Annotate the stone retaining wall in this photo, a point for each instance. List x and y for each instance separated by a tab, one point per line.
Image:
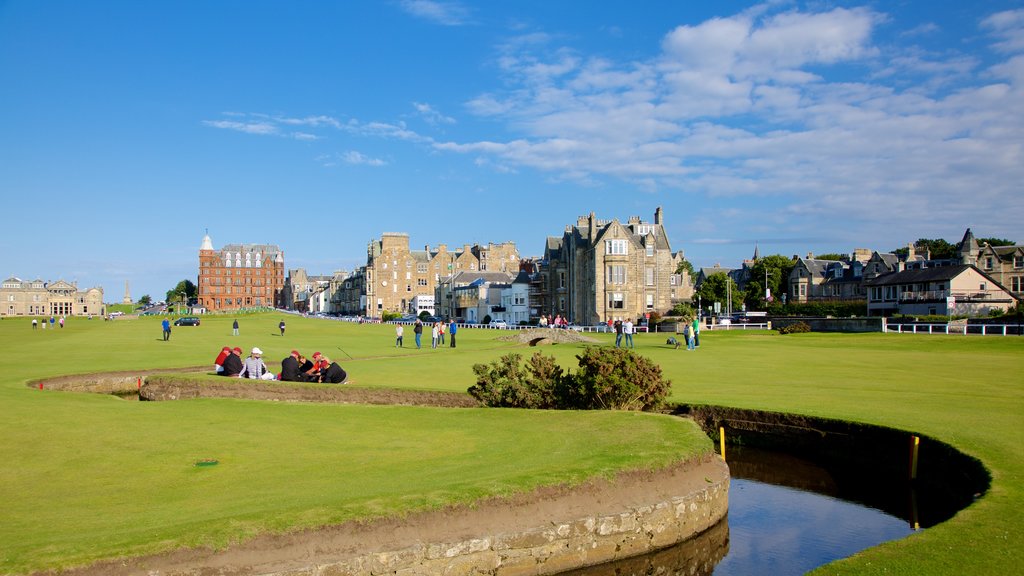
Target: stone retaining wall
561	545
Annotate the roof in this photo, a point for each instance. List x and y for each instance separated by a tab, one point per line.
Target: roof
921	275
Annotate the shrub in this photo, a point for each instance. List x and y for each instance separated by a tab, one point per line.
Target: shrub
795	328
608	378
389	316
616	379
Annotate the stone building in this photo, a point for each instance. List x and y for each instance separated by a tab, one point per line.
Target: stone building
39	298
603	270
395	274
239	276
1005	264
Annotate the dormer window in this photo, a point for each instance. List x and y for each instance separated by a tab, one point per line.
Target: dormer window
615	247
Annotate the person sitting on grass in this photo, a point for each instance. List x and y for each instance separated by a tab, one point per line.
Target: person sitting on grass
255	369
333	374
290	368
319	365
233	364
218	364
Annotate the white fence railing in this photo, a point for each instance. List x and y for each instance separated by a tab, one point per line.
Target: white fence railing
964	329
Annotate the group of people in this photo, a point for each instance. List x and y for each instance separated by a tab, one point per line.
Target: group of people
53	321
294	368
691	336
557	322
623	329
437	332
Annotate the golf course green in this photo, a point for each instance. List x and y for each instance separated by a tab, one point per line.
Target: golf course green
88	477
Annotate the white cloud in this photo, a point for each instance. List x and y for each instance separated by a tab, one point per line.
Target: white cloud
262	128
762	104
1008	26
430	115
444	13
353	157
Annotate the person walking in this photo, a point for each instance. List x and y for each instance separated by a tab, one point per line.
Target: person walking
696	332
52	322
399	330
234	327
627	331
35	324
618	333
166	325
61	321
433	335
280	326
417	330
688	332
452	328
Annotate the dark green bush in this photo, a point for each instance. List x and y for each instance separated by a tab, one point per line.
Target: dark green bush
608	378
795	328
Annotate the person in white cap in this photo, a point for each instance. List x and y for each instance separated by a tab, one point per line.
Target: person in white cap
255	368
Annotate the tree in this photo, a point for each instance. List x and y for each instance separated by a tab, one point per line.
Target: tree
996	242
716	288
832	256
777	268
936	249
145	300
183	292
685	266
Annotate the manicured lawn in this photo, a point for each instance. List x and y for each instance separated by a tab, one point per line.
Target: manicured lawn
86	476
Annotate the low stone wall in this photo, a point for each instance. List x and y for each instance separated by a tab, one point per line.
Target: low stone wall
561	545
862	324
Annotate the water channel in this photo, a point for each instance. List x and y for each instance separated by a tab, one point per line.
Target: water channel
786	516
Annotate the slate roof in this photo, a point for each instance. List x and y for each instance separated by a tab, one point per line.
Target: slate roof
923	275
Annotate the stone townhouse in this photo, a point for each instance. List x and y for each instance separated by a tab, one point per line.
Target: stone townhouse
39	298
471	295
1005	264
394	274
603	270
239	276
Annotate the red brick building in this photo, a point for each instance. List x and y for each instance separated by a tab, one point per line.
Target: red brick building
239	276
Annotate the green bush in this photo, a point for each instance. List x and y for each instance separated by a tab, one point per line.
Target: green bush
795	328
389	316
608	378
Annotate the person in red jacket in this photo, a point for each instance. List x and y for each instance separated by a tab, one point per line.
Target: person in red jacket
218	364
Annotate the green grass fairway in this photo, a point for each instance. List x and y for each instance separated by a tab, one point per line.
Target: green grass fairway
88	476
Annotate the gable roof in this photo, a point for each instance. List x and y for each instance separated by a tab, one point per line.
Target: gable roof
921	275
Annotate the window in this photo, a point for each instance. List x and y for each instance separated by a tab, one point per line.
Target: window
616	300
649	276
615	247
616	275
1015	283
561	279
421	282
650	301
983	286
988	263
650	249
803	289
421	268
1018	262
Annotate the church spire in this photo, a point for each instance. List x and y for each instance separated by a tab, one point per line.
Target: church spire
757	252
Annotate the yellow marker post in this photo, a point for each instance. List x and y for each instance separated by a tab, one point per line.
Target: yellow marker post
721	433
913	457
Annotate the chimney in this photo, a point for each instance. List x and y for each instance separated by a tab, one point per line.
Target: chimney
657	215
910	251
810	255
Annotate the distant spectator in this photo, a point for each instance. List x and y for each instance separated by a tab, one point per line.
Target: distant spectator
280	326
399	330
627	331
417	330
453	328
61	321
35	324
166	324
234	328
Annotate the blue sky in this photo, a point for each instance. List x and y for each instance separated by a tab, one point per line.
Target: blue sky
127	129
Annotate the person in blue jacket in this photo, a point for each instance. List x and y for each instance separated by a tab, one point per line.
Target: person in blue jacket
452	328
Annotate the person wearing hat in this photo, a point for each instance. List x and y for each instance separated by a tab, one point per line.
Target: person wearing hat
319	365
218	364
232	365
290	368
254	368
333	373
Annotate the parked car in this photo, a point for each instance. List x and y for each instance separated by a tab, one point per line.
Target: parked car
498	324
187	321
